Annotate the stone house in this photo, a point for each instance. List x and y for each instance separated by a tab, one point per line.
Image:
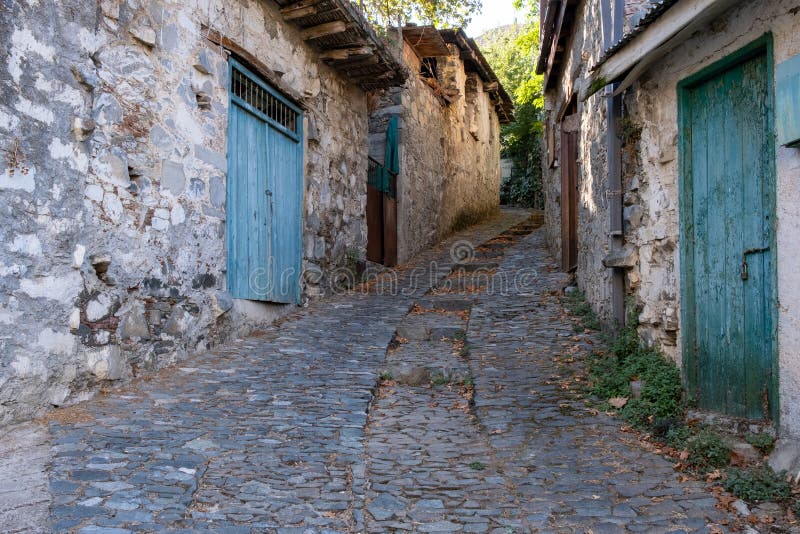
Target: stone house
447	121
140	221
671	171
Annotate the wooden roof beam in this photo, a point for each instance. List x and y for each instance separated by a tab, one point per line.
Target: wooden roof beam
324	30
345	54
301	9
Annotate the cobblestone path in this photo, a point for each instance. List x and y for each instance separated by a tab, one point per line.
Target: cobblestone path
448	404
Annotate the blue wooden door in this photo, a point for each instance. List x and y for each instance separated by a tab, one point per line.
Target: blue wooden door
727	238
265	191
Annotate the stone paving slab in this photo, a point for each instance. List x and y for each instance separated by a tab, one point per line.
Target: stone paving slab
292	431
24	496
264	435
573	469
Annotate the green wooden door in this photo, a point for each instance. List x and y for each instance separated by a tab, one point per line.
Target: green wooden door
727	237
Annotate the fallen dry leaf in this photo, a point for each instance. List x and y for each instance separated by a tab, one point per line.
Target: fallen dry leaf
618	402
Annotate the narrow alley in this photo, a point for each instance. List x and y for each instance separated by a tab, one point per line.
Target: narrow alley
439	402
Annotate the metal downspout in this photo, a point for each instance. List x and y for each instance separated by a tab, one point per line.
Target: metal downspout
613	15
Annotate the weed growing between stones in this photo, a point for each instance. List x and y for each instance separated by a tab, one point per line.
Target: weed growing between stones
758	484
646	390
707	450
577	305
477	466
386	376
441	379
764	442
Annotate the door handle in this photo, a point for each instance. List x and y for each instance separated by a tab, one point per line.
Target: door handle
745	272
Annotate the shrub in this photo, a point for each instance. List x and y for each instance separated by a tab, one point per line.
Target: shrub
606	380
661	396
763	441
678	436
708	450
757	484
577	305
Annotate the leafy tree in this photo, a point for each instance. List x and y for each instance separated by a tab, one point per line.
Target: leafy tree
441	13
512	51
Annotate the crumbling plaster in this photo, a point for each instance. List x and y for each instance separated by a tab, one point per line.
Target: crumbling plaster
651	181
653	108
113	116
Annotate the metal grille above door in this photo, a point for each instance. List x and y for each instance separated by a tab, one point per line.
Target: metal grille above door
256	96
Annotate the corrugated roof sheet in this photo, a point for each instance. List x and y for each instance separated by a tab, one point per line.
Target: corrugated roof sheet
658	8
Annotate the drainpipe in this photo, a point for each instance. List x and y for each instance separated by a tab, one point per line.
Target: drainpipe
613	15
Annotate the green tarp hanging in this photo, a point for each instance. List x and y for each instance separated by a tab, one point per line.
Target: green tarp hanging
381	177
392	161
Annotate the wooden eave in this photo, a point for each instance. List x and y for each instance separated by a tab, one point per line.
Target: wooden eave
650	41
346	40
474	61
557	30
426	41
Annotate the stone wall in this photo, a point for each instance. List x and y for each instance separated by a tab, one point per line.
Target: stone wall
649	133
593	204
113	116
449	153
653	110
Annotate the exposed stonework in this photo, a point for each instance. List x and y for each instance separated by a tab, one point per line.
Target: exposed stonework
113	116
653	109
449	150
593	216
650	171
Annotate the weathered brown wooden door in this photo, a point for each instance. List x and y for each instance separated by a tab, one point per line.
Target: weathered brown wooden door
569	192
381	216
374	224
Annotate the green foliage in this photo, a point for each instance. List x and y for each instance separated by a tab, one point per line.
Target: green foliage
708	450
598	84
444	379
512	52
661	393
757	484
795	506
441	13
678	436
578	306
477	466
763	441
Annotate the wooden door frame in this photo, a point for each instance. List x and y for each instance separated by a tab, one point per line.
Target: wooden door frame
298	136
762	46
569	191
